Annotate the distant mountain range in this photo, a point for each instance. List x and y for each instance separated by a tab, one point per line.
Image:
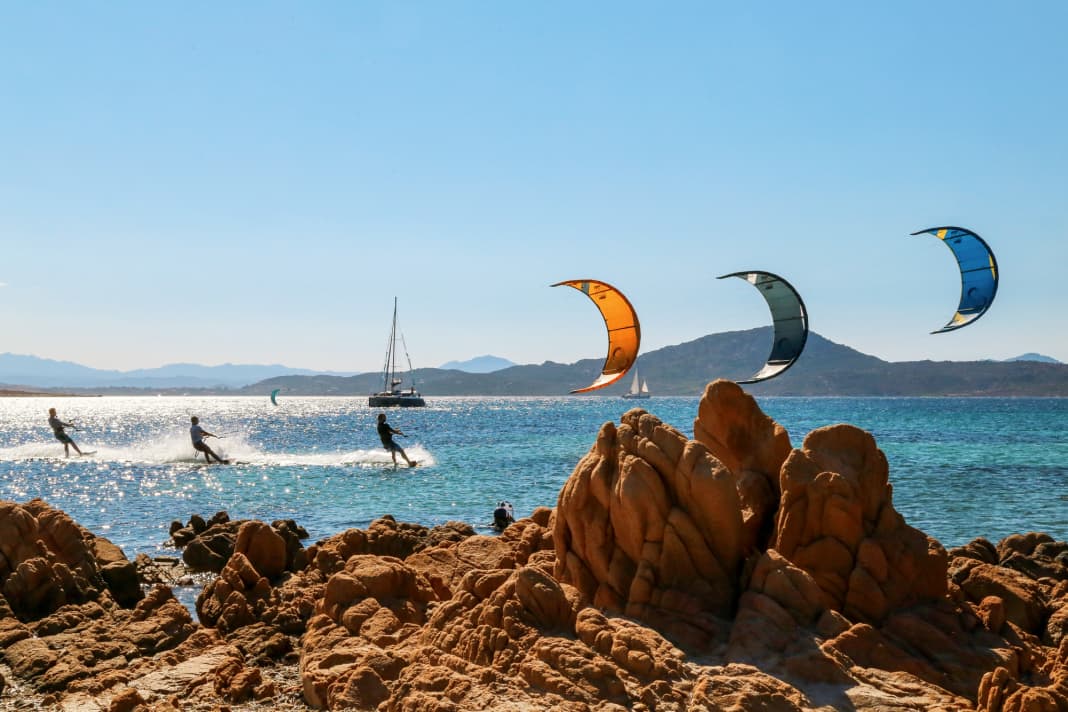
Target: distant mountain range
1034	357
479	364
35	372
825	369
48	373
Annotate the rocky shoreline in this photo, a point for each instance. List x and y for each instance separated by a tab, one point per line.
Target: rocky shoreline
730	571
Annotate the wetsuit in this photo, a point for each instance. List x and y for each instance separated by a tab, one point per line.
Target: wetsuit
57	430
385	434
197	435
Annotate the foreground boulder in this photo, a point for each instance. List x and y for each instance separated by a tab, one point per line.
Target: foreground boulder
77	632
753	447
48	561
64	620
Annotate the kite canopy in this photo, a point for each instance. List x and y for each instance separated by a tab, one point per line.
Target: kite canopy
978	273
273	394
624	332
789	318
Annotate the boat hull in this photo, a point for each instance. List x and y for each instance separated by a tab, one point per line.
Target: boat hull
390	400
635	395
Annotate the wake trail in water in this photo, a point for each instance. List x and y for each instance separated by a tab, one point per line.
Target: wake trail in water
177	449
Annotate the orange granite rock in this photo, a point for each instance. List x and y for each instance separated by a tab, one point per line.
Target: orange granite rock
47	561
752	446
649	525
263	547
837	522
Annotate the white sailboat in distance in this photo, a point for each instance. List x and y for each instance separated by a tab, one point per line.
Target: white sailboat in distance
635	391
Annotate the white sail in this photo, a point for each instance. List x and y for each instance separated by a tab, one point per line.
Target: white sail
636	391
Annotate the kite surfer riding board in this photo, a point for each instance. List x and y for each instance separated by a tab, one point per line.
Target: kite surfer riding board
386	433
198	434
57	426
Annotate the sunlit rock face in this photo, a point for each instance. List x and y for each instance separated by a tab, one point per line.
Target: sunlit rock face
650	525
656	526
47	560
752	446
836	521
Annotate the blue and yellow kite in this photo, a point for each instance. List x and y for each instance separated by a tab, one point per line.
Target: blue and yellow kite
978	273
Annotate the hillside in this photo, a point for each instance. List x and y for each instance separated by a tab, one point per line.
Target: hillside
825	369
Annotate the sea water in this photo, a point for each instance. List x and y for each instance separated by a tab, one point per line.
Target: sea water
960	467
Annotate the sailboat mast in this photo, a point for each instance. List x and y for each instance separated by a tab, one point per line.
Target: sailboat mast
391	358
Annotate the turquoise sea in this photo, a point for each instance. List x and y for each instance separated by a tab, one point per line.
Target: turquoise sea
960	467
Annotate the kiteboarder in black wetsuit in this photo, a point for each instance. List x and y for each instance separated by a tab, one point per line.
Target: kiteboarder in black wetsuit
198	434
386	433
57	426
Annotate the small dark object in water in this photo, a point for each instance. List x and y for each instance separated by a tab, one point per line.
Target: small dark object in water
503	515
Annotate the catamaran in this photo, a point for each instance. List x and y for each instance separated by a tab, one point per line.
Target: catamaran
636	392
391	393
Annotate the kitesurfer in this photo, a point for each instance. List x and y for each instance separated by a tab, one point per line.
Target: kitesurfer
386	433
57	430
503	516
198	434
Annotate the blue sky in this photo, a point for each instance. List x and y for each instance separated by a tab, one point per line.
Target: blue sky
255	182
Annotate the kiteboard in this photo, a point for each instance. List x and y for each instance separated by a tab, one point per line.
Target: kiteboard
87	452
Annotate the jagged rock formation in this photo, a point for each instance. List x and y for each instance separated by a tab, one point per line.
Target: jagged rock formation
649	525
48	561
72	612
753	447
731	571
836	522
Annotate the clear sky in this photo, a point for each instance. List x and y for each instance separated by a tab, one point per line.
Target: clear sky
254	182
